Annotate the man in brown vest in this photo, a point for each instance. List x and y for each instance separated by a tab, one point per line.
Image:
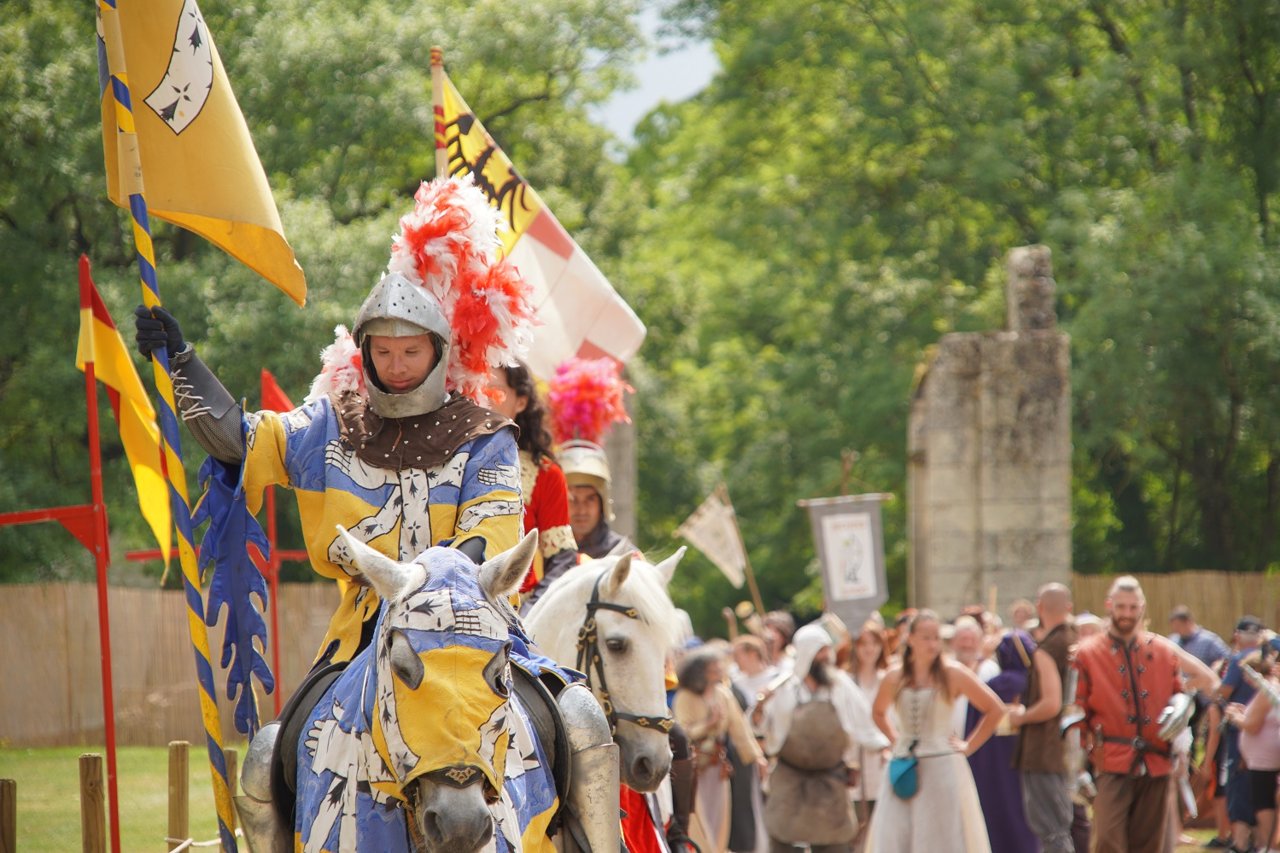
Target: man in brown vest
1041	752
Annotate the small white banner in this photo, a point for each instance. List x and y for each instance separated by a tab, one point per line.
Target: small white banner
713	530
850	545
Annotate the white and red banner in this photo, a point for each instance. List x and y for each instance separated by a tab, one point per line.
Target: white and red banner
579	312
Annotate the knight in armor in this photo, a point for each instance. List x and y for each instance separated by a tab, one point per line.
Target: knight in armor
391	445
815	724
586	469
388	443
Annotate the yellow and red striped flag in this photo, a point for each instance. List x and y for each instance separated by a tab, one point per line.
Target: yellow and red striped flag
100	343
202	171
579	312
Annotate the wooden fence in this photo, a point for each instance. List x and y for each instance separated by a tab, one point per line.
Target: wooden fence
1218	599
51	694
50	690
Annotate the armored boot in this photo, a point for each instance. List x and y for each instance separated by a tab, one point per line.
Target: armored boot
593	792
264	826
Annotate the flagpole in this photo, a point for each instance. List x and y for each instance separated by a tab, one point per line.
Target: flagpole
273	578
130	170
746	558
437	105
100	559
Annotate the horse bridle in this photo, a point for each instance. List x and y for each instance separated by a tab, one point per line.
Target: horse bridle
589	659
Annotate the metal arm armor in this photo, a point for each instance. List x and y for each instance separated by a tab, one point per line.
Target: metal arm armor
207	408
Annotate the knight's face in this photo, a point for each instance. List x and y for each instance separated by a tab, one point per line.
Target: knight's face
584	510
402	363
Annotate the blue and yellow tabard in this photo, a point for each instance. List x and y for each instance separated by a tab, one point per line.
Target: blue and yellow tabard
401	485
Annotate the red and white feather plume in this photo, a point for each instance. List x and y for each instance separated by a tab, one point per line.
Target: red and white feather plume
448	245
586	399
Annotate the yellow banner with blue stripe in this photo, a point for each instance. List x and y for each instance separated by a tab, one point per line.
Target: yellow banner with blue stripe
202	171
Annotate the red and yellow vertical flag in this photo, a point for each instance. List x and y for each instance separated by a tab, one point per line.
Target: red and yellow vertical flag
579	312
202	171
100	342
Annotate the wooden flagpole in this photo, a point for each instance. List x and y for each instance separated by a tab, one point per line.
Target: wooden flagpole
723	491
437	107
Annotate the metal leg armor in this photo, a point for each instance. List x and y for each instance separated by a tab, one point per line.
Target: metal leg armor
596	775
264	827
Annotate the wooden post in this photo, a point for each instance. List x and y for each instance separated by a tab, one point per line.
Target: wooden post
8	816
233	771
93	815
179	794
437	106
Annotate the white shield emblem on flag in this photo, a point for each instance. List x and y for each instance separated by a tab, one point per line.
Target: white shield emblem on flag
188	80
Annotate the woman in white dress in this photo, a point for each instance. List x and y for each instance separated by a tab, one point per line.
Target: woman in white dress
944	816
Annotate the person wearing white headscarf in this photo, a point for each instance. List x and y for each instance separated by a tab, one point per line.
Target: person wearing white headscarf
818	706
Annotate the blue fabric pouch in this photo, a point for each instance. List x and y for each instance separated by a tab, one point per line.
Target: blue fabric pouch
904	774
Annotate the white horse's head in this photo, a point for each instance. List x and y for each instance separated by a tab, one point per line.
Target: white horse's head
630	627
442	722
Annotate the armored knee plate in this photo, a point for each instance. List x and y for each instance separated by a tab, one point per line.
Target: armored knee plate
593	789
264	826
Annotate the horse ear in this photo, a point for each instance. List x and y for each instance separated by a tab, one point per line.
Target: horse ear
389	578
667	568
618	575
502	575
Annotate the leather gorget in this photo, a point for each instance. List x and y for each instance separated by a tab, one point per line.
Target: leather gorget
420	441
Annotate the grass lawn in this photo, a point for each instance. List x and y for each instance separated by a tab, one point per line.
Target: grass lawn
49	796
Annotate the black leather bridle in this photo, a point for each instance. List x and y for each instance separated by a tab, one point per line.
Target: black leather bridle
589	659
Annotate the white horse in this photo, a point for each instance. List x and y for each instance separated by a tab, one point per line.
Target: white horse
613	619
425	742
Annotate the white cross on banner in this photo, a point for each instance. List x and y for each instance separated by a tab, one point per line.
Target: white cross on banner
713	530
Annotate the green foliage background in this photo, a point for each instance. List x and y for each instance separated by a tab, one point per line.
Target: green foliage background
795	236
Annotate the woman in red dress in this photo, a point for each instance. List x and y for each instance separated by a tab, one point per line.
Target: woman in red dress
542	483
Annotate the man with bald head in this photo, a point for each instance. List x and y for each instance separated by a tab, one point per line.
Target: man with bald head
1041	751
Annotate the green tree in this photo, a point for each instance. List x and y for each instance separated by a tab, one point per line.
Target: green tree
338	99
845	192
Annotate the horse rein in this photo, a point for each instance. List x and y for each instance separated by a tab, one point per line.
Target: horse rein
589	658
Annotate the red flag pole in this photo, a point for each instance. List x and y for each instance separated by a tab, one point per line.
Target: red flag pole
100	558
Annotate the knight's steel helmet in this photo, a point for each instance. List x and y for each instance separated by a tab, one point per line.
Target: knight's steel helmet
397	308
585	464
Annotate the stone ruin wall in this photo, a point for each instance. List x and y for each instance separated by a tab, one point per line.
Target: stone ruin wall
989	455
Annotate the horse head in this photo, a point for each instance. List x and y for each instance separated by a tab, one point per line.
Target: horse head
613	619
441	720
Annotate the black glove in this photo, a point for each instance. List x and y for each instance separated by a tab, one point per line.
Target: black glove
157	328
474	548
